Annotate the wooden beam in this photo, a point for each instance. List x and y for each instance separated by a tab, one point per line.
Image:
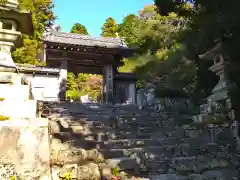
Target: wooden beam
78	62
85	69
81	56
55	52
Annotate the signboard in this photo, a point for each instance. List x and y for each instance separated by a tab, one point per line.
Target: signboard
44	88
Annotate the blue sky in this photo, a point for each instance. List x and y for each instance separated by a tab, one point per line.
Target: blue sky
93	13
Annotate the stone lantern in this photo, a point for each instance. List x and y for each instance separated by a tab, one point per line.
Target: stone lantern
220	102
13	22
220	68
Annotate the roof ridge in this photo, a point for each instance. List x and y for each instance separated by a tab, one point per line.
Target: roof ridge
87	37
85	40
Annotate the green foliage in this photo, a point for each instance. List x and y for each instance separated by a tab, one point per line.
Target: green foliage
2	2
71	81
79	29
128	66
129	30
210	22
116	171
42	17
28	53
109	28
68	176
13	178
84	84
148	12
161	56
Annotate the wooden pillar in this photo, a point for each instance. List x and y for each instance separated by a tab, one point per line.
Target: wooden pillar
108	84
63	80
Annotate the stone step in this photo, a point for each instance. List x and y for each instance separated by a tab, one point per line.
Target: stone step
134	143
14	92
97	124
170	176
75	141
221	174
194	164
122	118
18	108
164	151
181	165
121	135
131	131
102	135
108	133
93	117
197	164
108	123
78	140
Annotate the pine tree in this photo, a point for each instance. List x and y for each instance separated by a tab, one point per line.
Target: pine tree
79	29
109	28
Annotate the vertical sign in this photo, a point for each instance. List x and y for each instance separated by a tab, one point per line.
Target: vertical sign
109	83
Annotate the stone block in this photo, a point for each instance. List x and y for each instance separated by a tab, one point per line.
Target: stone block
18	109
9	77
70	156
89	171
123	163
24	144
16	92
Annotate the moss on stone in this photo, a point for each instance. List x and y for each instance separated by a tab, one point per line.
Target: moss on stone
4	118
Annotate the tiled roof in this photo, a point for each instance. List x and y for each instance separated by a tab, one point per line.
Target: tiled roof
83	40
32	68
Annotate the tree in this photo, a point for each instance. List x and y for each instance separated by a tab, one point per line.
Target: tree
160	58
148	12
42	17
109	28
79	29
129	30
209	22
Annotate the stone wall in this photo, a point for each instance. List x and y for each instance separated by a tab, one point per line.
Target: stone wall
24	145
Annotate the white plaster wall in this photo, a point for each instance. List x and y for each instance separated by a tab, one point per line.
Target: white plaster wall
44	87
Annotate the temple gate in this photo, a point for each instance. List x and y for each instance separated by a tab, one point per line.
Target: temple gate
86	54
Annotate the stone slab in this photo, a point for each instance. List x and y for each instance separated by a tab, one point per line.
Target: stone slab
18	109
16	92
24	145
9	77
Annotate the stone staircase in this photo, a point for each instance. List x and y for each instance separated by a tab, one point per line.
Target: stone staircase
157	146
